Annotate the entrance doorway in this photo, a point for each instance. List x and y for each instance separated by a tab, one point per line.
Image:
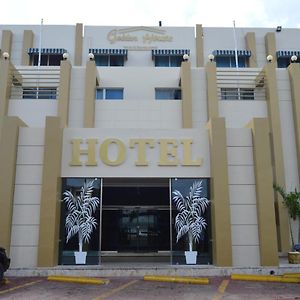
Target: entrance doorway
135	219
138	229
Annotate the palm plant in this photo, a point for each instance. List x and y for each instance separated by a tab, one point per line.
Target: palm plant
291	201
189	220
80	218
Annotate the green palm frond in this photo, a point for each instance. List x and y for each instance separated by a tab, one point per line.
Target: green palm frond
291	201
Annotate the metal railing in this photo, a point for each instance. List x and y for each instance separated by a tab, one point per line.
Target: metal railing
239	84
35	82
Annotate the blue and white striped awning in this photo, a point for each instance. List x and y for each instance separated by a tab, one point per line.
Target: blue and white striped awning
171	52
246	53
284	53
49	51
97	51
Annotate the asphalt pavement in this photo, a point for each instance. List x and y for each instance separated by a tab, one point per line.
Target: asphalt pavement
133	288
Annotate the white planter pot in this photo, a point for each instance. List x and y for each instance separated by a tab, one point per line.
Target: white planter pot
80	258
191	257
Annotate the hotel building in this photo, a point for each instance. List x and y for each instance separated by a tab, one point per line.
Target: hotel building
144	111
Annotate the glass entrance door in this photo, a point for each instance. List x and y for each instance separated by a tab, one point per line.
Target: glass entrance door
138	230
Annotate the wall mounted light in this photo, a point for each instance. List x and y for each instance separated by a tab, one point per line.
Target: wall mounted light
91	56
185	57
66	56
5	55
269	58
294	58
211	57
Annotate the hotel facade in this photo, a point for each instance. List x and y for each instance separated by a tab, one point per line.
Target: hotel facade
144	112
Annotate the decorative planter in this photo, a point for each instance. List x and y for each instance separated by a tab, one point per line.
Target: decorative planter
191	257
80	258
294	257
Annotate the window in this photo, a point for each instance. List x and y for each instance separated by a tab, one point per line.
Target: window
109	57
110	60
39	93
109	93
168	60
284	57
237	94
167	94
49	56
46	59
226	58
168	57
284	62
229	61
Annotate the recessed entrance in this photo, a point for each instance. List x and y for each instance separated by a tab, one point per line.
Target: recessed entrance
135	219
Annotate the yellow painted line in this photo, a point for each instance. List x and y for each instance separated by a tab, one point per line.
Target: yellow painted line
221	290
294	275
78	279
116	290
4	281
270	278
177	279
20	286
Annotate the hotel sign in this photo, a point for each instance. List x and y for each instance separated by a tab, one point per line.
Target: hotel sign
84	152
146	35
92	152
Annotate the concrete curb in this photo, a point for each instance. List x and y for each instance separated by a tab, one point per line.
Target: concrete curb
78	279
177	279
270	278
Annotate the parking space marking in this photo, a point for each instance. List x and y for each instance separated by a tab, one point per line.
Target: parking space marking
221	290
20	286
116	290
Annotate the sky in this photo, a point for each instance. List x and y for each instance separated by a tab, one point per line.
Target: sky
216	13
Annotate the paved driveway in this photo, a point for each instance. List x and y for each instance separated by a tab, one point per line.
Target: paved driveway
138	289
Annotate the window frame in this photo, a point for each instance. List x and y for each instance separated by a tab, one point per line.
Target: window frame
39	93
110	60
105	92
177	93
170	61
243	61
237	94
45	59
283	62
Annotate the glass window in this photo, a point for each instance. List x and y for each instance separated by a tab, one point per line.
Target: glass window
162	61
54	60
168	60
229	94
46	59
246	94
109	60
175	61
229	61
99	93
67	249
167	94
237	94
184	191
109	93
101	60
39	93
116	60
223	62
114	94
284	62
